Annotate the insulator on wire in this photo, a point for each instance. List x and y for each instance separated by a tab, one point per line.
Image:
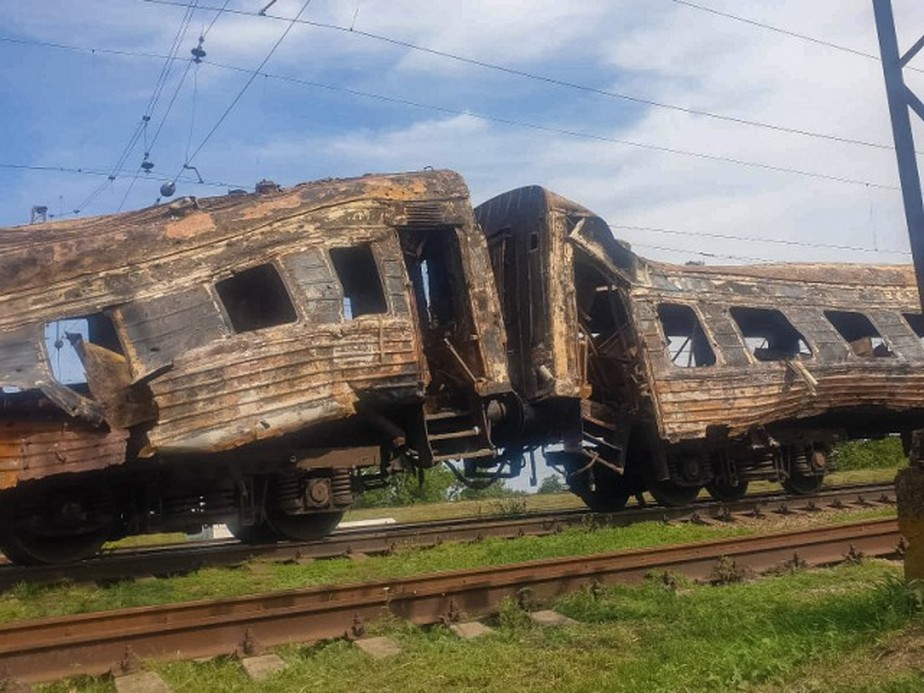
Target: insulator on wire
198	52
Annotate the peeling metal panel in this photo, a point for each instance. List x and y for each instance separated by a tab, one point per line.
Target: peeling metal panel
35	449
740	395
22	357
201	372
157	330
263	385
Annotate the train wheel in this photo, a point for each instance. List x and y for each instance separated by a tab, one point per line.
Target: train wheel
253	534
307	527
721	490
605	501
806	472
803	484
57	526
610	494
672	494
29	548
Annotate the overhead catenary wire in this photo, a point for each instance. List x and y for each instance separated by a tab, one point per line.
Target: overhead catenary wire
189	63
141	128
247	84
485	117
757	239
633	98
627	227
703	253
785	32
564	131
89	171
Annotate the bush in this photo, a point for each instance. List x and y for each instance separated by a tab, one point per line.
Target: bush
552	484
496	490
439	484
885	453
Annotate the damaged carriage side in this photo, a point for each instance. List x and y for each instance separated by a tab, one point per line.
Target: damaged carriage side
651	376
245	359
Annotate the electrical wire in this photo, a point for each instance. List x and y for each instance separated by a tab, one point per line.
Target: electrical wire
750	239
141	128
518	123
786	32
247	84
702	253
627	227
563	131
86	171
549	80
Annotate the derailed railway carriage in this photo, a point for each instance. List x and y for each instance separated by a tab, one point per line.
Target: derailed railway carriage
254	359
258	359
649	376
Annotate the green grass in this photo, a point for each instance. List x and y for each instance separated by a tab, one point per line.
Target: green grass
885	453
845	628
566	501
37	601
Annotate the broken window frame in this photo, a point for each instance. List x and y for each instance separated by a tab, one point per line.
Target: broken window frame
97	328
754	340
285	314
915	322
855	327
696	346
377	304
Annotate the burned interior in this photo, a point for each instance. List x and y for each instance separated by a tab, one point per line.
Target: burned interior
253	359
640	375
259	359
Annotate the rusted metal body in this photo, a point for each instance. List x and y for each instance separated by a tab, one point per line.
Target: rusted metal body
294	332
92	643
665	377
750	386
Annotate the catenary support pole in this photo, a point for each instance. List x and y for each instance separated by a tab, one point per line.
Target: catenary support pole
909	484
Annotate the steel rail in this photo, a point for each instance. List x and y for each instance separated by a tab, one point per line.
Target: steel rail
185	558
54	648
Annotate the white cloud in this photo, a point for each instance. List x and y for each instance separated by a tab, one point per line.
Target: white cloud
662	51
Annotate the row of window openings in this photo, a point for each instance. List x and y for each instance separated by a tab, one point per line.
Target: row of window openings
257	298
769	335
253	299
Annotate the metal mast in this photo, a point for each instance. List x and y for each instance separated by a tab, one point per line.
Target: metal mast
901	102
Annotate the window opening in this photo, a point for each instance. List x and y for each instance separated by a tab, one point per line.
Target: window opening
769	335
359	277
62	335
437	287
687	345
534	241
256	298
916	322
864	339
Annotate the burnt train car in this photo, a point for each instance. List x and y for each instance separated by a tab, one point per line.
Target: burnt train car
651	376
252	358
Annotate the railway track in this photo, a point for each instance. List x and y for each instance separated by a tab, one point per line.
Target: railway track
50	649
184	558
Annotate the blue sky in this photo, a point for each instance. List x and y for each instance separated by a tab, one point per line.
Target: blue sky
77	109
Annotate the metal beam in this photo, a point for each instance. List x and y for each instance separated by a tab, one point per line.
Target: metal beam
901	102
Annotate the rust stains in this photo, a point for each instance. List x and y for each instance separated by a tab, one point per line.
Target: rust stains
215	324
36	449
189	226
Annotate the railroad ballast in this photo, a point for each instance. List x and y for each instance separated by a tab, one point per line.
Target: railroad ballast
258	359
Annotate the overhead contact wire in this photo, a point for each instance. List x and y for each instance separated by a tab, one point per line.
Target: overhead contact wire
550	80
